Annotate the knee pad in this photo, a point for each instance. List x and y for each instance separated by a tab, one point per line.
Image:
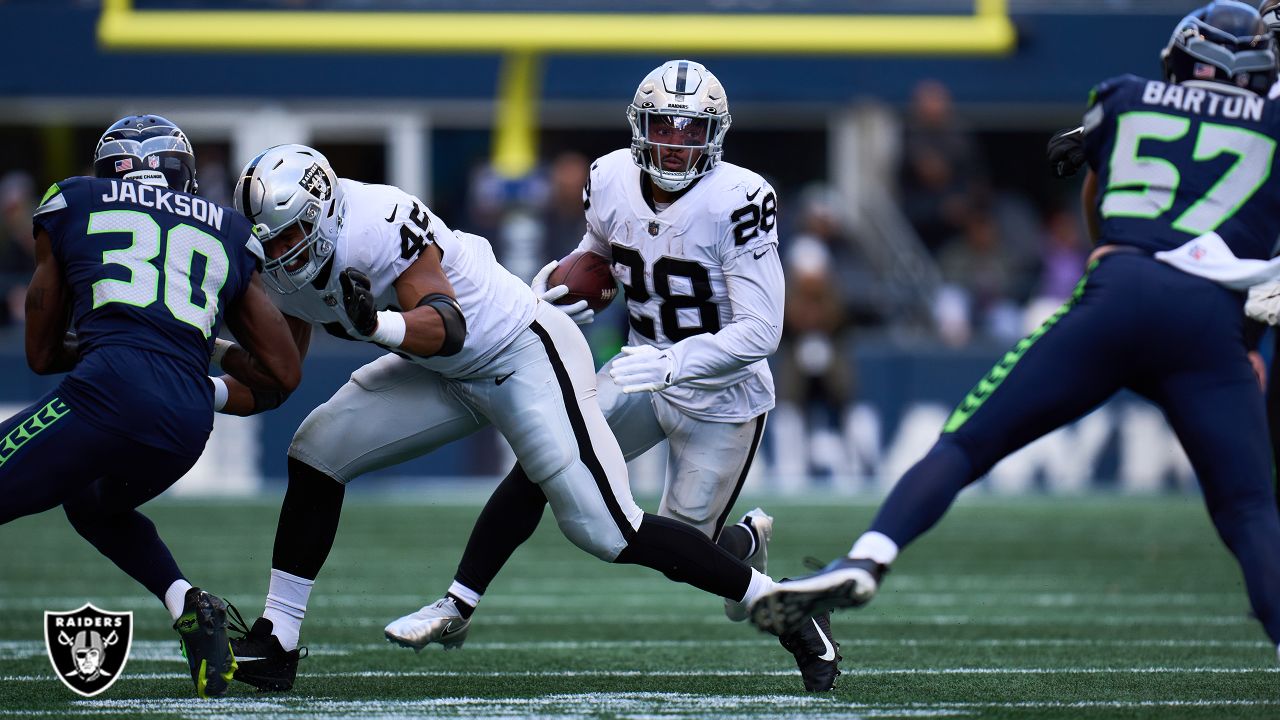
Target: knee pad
580	534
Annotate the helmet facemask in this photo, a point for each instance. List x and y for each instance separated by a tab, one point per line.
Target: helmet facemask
302	262
674	147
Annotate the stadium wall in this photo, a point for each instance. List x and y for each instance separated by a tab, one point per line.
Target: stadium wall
906	395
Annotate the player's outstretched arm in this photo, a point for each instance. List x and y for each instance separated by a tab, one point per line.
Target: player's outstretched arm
50	349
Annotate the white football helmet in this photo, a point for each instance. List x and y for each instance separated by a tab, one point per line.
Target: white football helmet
678	117
287	185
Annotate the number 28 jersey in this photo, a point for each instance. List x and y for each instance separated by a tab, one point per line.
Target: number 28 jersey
1175	161
701	277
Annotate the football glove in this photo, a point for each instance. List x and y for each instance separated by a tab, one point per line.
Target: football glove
643	368
1263	304
1065	152
357	299
578	312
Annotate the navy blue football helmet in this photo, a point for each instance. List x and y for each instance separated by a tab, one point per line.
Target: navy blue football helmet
147	149
1226	42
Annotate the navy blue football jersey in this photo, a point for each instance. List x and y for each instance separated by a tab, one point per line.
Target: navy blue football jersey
151	271
1175	161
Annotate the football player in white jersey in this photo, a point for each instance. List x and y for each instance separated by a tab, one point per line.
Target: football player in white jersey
693	241
471	345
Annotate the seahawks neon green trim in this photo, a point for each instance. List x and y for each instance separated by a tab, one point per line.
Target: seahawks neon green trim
988	384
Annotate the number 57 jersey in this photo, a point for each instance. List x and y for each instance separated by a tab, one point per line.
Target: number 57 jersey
708	262
1176	161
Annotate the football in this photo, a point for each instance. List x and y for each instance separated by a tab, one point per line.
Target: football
588	277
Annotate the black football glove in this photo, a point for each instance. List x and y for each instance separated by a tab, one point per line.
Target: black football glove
1065	152
357	299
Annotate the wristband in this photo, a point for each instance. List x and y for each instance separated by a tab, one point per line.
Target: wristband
220	393
390	330
220	348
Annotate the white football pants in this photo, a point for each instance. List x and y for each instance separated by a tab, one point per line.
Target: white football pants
707	462
539	392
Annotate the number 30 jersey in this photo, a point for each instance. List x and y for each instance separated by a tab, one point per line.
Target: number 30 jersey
151	272
1176	161
702	277
383	231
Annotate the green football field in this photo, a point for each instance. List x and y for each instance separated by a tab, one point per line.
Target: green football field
1076	608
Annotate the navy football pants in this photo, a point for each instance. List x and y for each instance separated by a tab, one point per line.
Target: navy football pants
1133	323
50	457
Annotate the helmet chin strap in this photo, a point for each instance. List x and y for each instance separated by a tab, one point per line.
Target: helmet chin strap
670	185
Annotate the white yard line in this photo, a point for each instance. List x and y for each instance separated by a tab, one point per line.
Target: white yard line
626	704
1157	670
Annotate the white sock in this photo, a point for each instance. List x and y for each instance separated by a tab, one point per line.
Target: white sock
287	598
465	594
759	585
176	596
875	546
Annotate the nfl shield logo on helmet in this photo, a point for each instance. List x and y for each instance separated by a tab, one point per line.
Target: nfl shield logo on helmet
88	647
124	165
153	162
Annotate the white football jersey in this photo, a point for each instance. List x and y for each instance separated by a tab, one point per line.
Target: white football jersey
383	230
702	277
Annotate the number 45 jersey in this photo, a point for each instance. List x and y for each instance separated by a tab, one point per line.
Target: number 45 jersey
1175	161
151	271
382	232
706	263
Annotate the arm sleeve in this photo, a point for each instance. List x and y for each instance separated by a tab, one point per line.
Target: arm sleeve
756	287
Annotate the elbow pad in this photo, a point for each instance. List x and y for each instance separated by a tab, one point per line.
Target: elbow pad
264	400
455	325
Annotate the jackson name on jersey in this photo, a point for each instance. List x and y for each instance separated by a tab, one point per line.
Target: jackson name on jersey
383	230
671	265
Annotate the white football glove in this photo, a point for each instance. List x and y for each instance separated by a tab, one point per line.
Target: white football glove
643	368
578	312
1263	304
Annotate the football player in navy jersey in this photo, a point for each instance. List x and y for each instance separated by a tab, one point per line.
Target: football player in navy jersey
1183	200
143	271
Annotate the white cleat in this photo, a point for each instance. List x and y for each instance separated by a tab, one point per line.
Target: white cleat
440	622
763	525
844	583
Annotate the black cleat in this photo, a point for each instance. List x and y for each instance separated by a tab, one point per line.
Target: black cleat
842	583
203	630
817	653
262	661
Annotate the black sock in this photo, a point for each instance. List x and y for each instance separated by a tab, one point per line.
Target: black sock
308	521
739	541
507	520
464	609
684	554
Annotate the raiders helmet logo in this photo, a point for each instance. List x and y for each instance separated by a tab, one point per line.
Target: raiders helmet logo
88	647
316	182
